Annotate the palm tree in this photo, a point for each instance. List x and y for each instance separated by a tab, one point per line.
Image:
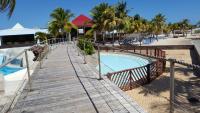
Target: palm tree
167	29
174	27
128	24
41	36
7	5
110	20
158	21
141	27
59	19
138	25
53	29
121	12
98	17
191	27
184	26
68	27
137	17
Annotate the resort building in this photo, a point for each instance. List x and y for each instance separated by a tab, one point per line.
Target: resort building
18	36
83	23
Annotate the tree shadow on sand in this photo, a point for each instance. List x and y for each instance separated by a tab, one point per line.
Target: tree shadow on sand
184	89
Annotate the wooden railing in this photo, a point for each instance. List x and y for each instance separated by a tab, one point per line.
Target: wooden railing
134	77
144	50
131	78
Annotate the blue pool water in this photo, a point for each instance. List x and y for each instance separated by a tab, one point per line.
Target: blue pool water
117	62
8	70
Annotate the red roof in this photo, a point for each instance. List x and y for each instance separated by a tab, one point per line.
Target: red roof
81	21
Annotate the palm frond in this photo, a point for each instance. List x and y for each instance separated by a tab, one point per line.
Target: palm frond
7	5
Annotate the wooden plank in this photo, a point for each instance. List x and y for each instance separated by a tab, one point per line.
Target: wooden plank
58	88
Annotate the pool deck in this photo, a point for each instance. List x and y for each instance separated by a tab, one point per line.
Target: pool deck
66	85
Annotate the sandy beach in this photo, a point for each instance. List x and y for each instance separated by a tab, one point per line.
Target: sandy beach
173	41
186	84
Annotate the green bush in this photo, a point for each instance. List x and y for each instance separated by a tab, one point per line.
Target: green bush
89	48
197	31
81	43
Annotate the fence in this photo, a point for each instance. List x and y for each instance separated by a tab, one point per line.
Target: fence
16	71
131	78
147	95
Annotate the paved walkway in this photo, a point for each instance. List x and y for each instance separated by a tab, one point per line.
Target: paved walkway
66	85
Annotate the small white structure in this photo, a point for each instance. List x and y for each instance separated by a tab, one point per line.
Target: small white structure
18	36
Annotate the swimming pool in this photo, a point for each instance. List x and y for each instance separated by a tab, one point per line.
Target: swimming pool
111	62
8	70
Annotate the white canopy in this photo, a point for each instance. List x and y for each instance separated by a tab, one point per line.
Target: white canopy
18	29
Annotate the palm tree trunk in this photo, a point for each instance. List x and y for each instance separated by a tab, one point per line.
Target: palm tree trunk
183	33
113	38
103	37
186	34
157	37
95	36
77	33
69	35
66	36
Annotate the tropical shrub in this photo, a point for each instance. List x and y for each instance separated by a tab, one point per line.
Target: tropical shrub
89	48
197	31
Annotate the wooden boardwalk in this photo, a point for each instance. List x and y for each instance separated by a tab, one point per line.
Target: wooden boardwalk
66	85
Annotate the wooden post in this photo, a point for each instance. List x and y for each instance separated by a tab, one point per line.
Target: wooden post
113	48
172	86
40	60
150	52
147	52
107	49
46	53
130	80
164	62
99	62
148	73
28	70
84	53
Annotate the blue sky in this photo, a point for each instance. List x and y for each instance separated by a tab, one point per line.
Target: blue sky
35	13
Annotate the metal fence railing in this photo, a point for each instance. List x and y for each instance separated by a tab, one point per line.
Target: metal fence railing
16	71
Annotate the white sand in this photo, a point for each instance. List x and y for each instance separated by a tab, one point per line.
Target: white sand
186	84
173	41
